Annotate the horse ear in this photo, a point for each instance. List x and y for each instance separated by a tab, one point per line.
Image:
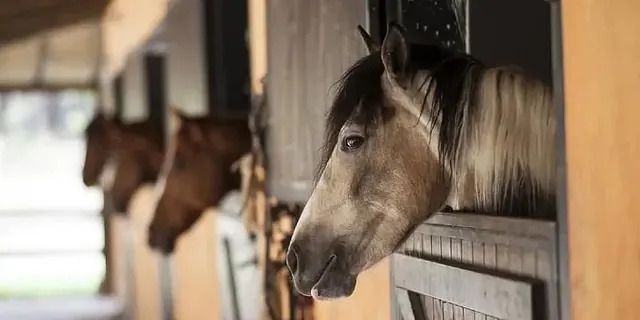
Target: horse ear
395	52
372	46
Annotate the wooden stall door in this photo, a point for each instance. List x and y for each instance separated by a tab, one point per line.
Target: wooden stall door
458	267
195	271
145	261
602	107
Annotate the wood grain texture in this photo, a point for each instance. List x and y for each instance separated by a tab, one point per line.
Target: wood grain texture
146	281
311	43
195	269
602	108
489	245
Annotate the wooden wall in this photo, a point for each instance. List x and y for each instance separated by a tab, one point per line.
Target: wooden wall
145	271
311	43
196	291
602	108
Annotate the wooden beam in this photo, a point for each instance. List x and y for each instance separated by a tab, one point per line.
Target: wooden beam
503	297
11	8
20	26
602	108
53	87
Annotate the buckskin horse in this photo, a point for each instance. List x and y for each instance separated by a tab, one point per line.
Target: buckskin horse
136	150
412	130
197	173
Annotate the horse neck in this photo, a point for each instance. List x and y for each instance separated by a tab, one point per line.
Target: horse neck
506	156
506	146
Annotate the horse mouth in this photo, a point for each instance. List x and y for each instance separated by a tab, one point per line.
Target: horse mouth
332	283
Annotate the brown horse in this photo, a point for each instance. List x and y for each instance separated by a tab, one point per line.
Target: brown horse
197	173
98	148
413	129
138	150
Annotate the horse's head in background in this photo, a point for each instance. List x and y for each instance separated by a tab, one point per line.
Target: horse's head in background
410	131
98	148
138	151
197	175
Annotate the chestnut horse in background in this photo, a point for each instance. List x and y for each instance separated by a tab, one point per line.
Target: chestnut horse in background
98	148
197	173
137	151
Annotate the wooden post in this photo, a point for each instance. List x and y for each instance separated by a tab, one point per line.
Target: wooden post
150	296
602	108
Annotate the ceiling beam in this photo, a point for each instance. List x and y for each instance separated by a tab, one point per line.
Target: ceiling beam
20	26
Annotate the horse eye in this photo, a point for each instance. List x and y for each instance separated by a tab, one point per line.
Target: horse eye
353	142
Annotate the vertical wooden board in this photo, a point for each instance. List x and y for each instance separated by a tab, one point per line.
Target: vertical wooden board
448	311
311	45
146	277
515	259
467	251
601	107
445	244
135	100
438	309
186	58
502	257
257	43
458	313
478	253
456	249
427	244
195	270
436	247
118	255
490	255
469	314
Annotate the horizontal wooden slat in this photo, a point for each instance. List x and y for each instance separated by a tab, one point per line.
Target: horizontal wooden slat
499	297
481	236
513	226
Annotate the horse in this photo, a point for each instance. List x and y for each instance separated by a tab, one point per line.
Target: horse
139	151
413	130
98	148
197	173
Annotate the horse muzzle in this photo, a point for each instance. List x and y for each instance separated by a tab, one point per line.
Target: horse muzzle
322	276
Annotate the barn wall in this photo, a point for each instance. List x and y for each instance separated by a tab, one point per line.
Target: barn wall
195	268
147	297
602	78
311	43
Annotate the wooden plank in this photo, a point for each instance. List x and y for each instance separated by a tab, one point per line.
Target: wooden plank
602	139
310	46
404	304
486	235
498	296
513	226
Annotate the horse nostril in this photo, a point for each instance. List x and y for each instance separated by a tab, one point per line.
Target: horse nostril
292	260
